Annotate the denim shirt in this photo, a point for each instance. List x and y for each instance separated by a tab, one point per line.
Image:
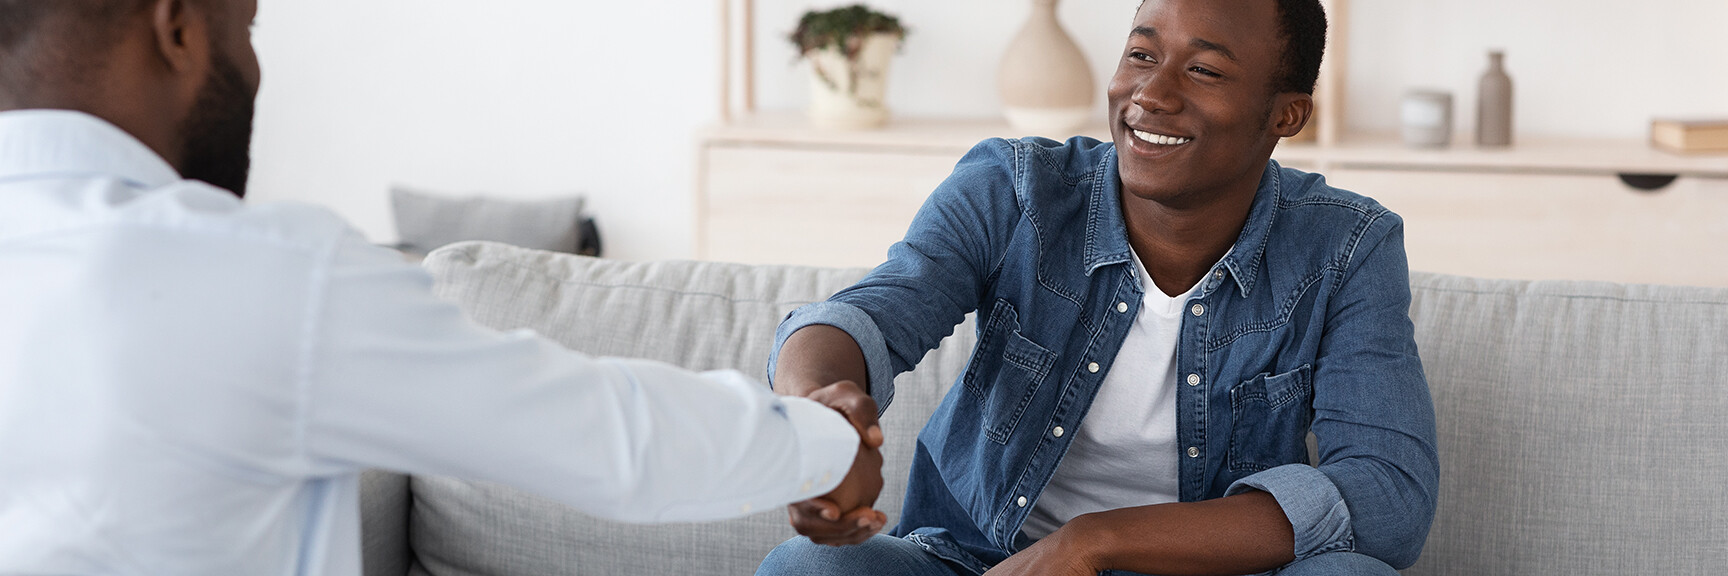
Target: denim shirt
1302	327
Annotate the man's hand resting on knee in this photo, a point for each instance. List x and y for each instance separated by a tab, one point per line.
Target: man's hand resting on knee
845	516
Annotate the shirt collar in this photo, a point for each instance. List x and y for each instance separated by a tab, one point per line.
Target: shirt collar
57	143
1107	233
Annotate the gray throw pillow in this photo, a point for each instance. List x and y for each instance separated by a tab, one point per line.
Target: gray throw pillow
426	221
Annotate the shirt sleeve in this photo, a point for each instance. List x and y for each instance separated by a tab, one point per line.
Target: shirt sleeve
932	279
1376	486
397	379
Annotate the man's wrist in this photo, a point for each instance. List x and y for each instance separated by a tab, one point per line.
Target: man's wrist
1087	539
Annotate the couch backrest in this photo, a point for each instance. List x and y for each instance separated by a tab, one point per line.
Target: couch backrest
1582	426
698	315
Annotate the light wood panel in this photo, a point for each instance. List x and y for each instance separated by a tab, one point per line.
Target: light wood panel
1555	226
812	207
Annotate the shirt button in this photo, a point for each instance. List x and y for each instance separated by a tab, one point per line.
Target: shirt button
1121	306
1193	452
1058	432
1021	501
744	509
806	487
1219	274
1093	367
1193	379
1198	309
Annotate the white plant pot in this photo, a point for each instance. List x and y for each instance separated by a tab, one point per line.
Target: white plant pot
851	95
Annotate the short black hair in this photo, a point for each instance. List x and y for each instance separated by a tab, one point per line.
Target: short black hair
19	19
1302	25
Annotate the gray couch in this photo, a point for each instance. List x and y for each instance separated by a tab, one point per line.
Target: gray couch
1583	426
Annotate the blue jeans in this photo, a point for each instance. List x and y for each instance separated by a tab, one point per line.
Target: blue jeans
885	555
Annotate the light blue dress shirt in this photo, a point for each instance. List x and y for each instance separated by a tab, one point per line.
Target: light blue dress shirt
191	386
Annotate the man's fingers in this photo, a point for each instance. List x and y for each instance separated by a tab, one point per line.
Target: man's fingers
850	400
853	527
818	508
857	526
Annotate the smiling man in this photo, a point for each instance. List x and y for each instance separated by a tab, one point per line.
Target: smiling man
1162	321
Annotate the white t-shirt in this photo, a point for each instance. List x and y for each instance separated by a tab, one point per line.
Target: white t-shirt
191	385
1125	451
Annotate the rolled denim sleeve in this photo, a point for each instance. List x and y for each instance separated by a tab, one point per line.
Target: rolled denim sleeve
1317	512
854	322
932	278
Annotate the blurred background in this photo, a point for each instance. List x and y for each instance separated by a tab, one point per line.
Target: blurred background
535	98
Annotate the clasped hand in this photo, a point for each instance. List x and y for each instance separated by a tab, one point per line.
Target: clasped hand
845	516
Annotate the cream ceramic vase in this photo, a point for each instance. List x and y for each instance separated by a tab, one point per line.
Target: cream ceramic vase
851	94
1046	84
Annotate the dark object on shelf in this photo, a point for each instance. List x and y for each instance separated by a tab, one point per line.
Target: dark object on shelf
1494	104
1648	182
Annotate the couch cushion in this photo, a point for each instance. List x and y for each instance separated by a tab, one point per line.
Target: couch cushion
426	221
1582	426
697	315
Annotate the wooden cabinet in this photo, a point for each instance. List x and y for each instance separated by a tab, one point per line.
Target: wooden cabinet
778	205
1555	227
772	190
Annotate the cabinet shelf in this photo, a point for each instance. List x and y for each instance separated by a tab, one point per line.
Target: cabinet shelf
1531	155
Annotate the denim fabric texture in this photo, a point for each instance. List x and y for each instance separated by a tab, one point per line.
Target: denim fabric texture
883	554
1303	327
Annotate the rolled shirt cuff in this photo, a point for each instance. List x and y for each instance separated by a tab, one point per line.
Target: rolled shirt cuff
827	443
1316	510
854	322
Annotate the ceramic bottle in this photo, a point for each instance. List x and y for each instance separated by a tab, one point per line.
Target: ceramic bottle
1494	104
1045	83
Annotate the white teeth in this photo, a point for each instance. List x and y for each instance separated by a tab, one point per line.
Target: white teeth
1161	139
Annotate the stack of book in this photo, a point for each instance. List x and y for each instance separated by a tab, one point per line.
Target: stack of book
1699	135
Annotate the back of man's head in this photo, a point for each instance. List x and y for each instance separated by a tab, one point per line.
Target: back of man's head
57	40
179	75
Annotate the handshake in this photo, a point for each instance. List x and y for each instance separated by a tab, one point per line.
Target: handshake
845	516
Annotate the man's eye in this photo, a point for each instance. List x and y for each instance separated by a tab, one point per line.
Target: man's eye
1205	72
1142	56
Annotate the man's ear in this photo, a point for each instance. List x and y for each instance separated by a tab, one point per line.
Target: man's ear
182	35
1290	113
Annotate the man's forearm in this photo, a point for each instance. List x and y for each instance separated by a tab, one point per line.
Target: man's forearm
816	356
1243	534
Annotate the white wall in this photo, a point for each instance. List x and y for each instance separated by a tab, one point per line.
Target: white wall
517	98
537	97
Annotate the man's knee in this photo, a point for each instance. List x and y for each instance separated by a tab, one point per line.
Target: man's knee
1338	563
879	555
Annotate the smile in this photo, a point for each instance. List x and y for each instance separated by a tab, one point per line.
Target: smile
1161	139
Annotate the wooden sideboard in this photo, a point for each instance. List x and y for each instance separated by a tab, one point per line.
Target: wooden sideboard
772	190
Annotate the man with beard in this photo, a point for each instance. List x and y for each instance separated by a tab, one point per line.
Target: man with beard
1162	320
190	385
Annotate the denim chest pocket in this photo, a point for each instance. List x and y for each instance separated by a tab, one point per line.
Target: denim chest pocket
1005	372
1270	417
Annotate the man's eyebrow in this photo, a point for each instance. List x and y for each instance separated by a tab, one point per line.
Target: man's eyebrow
1215	47
1150	33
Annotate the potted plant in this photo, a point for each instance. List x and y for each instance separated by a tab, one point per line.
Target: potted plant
849	50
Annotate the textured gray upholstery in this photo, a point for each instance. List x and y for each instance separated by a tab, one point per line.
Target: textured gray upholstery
1582	426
